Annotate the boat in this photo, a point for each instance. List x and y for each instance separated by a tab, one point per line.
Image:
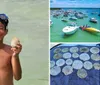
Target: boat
85	15
51	23
89	29
64	20
79	16
68	30
73	18
93	20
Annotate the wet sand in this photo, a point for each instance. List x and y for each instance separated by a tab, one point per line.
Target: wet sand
29	22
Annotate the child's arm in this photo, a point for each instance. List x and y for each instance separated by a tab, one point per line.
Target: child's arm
16	67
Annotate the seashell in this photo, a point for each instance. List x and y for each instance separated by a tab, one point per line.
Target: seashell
14	42
66	55
74	49
88	65
52	64
69	61
84	56
67	70
84	49
77	64
55	70
82	73
94	50
60	62
75	55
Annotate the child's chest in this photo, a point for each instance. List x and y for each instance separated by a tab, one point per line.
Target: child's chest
5	59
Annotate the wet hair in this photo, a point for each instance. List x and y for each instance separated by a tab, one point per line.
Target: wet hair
4	20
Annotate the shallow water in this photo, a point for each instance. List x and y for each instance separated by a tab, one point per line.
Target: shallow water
56	34
29	22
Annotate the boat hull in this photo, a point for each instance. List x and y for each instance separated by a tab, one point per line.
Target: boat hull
68	30
92	29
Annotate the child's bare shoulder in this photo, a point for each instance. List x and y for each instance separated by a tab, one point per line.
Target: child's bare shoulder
7	48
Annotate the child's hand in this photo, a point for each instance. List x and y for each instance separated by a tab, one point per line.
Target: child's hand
16	50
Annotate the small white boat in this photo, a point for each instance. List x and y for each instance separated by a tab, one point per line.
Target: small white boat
70	29
51	23
64	20
93	20
73	18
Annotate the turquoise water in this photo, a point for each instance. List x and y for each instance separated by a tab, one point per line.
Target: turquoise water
56	34
29	22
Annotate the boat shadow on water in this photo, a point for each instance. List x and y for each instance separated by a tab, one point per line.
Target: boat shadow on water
93	33
66	36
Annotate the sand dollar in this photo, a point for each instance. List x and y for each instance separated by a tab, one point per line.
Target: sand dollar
84	56
94	50
95	57
67	55
14	42
84	49
77	64
65	50
60	62
52	64
82	73
57	50
88	65
67	70
75	55
55	70
57	56
96	66
74	49
69	61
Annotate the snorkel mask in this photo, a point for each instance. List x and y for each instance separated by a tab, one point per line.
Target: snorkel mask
4	20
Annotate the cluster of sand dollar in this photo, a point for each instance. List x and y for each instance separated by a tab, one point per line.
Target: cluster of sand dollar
65	60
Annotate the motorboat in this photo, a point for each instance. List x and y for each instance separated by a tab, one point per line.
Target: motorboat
89	29
85	15
64	20
51	23
73	18
93	20
79	16
68	30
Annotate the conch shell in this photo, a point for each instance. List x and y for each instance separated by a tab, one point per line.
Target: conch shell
14	42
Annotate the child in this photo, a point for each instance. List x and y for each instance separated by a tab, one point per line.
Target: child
9	56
